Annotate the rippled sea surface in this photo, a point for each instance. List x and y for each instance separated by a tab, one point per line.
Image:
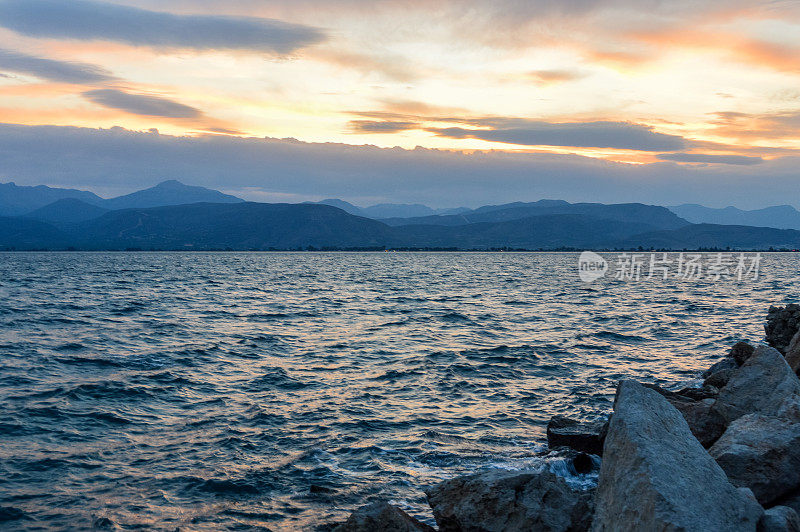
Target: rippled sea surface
208	391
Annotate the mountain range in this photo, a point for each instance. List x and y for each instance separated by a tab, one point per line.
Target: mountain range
21	200
173	216
780	216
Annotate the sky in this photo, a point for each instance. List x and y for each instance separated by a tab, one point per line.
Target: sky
447	103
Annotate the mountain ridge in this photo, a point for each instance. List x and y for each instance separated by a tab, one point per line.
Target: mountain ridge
30	200
284	226
777	216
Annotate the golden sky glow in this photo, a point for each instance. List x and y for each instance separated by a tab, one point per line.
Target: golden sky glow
697	82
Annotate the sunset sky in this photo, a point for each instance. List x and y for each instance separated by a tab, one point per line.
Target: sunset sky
585	99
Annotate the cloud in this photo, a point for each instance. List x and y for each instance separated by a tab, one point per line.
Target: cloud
373	126
52	70
552	77
389	66
89	20
525	132
601	134
709	158
752	126
119	161
140	104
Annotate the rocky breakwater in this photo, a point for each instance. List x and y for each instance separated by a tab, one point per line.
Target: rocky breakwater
721	456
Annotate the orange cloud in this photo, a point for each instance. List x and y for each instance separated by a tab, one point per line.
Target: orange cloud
553	77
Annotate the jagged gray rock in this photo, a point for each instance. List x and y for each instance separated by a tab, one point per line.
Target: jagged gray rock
704	421
656	476
793	353
740	352
383	517
782	324
779	519
706	424
502	500
724	364
584	437
761	453
720	378
761	385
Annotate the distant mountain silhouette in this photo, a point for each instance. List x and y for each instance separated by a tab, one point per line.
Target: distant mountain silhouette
16	200
172	215
535	232
402	210
168	193
341	204
391	210
651	216
780	217
70	206
67	210
240	226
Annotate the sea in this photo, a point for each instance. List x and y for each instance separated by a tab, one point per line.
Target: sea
280	391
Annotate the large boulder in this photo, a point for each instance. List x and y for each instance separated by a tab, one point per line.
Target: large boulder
761	453
381	516
793	353
779	519
656	476
782	324
500	500
761	386
584	437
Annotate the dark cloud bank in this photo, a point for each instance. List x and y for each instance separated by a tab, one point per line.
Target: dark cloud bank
88	20
621	135
120	160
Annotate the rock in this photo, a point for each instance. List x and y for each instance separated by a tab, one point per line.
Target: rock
706	424
704	421
779	519
740	352
761	453
792	501
761	385
502	500
720	378
381	516
583	437
782	324
725	363
790	410
698	394
793	353
656	476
